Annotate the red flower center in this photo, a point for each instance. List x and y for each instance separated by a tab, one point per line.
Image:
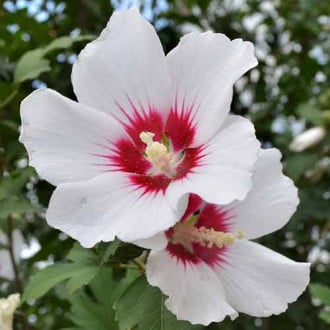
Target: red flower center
155	152
202	235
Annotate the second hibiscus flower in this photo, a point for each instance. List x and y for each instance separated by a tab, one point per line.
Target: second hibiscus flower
206	264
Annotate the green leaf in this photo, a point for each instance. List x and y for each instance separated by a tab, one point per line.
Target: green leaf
83	268
66	42
296	165
31	65
47	278
110	250
310	112
325	316
88	264
320	292
84	256
96	311
83	275
142	306
13	184
13	204
126	252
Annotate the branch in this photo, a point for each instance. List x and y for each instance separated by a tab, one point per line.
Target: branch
9	98
12	255
18	280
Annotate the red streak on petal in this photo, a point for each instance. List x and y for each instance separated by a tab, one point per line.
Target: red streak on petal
128	159
179	252
180	128
141	121
211	216
192	159
194	204
211	256
150	184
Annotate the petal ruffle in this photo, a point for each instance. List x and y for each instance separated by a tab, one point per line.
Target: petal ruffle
226	164
124	68
259	281
194	292
271	201
107	206
204	68
65	139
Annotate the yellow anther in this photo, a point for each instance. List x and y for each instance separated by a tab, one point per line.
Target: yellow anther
209	237
187	234
157	153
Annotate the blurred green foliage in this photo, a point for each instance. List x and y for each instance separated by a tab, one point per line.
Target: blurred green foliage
287	93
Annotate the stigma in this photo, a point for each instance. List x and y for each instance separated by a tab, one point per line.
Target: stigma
158	154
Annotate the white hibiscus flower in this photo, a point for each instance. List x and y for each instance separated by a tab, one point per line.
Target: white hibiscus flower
148	130
209	269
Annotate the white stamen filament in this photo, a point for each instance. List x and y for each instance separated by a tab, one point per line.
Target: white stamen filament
157	153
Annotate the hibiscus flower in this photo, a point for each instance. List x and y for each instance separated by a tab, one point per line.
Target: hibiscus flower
209	268
148	130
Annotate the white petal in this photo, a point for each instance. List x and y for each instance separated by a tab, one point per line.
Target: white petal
63	137
271	201
204	68
107	206
261	282
226	170
156	242
195	292
126	63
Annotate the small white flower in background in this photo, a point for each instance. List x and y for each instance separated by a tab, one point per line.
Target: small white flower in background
148	130
7	309
209	268
308	139
6	267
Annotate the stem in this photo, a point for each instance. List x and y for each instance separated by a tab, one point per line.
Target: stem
140	265
9	98
12	255
18	280
124	266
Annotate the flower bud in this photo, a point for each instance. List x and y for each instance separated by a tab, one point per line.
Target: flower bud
7	309
307	139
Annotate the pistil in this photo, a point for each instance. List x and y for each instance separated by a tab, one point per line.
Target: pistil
158	154
187	234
